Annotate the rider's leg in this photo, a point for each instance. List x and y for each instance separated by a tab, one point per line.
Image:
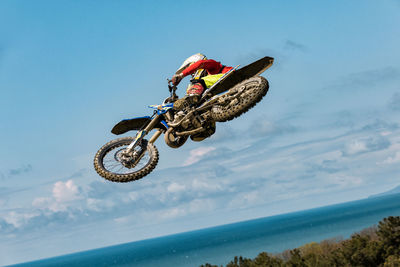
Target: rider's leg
195	90
192	97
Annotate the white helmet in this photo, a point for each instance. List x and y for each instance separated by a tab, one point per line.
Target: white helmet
189	61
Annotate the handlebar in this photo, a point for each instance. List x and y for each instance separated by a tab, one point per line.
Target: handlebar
171	86
172	89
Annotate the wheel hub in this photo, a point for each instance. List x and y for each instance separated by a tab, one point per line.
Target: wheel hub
129	160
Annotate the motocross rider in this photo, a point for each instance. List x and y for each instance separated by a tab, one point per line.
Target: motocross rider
205	72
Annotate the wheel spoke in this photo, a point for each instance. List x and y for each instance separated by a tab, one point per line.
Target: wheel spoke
121	168
114	164
117	167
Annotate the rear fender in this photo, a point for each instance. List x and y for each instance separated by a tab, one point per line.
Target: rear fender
248	71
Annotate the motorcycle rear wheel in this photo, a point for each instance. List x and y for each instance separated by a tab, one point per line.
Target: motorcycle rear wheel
246	95
108	165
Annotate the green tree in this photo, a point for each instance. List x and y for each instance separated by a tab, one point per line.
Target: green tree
374	246
296	260
360	251
233	263
208	265
240	262
389	232
263	259
392	261
314	255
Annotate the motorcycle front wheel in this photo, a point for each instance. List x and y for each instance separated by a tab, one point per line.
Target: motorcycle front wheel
109	164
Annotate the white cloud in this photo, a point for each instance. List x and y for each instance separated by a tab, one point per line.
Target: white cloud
205	185
171	213
47	203
386	133
279	172
344	181
41	202
363	145
133	196
176	187
99	204
394	159
64	192
356	147
122	220
63	196
246	200
201	205
197	154
251	197
18	219
262	127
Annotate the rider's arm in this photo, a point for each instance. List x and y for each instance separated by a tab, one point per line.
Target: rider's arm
210	65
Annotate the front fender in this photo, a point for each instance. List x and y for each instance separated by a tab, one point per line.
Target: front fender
134	124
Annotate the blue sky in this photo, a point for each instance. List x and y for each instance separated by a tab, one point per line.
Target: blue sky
327	132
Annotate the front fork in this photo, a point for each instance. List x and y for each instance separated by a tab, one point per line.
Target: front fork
141	134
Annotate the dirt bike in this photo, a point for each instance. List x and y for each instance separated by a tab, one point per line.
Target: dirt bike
131	158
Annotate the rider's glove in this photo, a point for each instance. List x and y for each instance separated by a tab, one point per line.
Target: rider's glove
176	79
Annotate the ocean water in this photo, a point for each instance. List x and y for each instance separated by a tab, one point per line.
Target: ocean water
218	245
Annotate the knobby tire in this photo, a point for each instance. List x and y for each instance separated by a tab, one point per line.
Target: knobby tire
123	178
256	88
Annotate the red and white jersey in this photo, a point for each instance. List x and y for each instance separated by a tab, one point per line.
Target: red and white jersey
211	66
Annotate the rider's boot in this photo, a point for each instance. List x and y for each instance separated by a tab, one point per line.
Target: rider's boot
192	97
186	101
